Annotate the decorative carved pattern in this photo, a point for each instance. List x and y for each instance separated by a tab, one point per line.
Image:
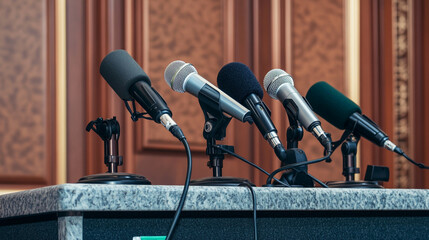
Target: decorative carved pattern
401	81
191	31
23	95
318	55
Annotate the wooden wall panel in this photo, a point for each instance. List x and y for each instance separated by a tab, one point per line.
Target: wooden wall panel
301	38
420	34
198	33
318	54
26	93
191	32
76	104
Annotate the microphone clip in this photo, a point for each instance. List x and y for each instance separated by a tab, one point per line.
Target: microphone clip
109	131
135	115
214	129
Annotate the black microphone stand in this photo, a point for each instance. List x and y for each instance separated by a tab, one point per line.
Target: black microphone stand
215	129
349	151
109	131
296	177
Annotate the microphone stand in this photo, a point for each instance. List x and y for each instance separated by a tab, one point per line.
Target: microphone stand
349	151
215	129
296	177
109	131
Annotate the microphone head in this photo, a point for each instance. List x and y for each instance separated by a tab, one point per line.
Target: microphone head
121	71
331	104
176	73
238	81
274	79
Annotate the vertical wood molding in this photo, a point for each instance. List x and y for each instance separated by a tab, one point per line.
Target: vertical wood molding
288	67
352	57
128	127
376	77
403	88
94	147
61	92
425	107
420	98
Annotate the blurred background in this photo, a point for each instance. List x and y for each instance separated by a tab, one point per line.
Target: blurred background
373	51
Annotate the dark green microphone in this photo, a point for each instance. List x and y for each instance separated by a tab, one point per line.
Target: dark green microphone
343	113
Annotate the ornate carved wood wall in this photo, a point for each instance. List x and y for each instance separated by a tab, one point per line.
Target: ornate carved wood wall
254	32
393	60
305	38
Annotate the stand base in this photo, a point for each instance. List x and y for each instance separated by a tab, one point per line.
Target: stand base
115	178
220	181
353	184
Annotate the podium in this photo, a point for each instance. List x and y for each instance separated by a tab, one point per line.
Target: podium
91	211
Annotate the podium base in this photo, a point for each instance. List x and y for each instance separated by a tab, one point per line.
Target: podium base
220	181
353	184
115	178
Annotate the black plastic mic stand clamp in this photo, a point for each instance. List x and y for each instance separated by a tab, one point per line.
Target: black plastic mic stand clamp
297	176
349	151
109	132
215	129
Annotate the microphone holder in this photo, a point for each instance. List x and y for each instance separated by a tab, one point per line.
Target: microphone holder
349	151
298	176
215	129
109	131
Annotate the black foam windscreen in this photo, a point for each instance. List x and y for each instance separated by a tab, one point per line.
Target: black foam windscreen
238	81
331	104
121	71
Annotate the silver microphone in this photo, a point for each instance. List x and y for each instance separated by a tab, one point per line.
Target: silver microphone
183	77
279	85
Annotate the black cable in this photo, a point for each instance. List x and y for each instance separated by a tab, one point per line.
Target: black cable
317	180
250	163
293	165
255	227
185	188
420	165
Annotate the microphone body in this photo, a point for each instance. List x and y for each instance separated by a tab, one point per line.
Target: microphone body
279	85
130	82
287	94
183	77
261	117
239	82
343	113
152	102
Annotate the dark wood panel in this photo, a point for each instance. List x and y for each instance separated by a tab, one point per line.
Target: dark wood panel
421	90
376	77
27	124
76	104
425	107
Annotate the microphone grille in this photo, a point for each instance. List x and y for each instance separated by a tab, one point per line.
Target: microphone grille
176	73
274	79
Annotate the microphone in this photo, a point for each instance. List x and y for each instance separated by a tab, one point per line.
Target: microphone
238	81
181	77
130	82
279	85
343	113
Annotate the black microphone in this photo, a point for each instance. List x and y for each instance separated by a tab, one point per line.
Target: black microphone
183	77
343	113
279	85
130	82
239	82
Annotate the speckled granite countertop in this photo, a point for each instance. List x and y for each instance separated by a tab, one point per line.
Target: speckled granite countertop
94	197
